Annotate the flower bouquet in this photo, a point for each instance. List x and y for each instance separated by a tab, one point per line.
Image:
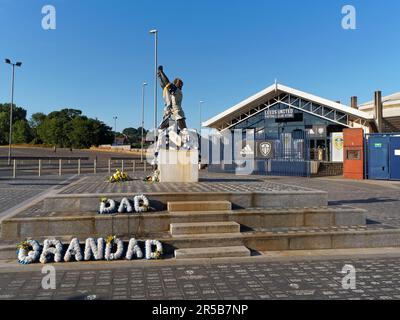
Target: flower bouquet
119	176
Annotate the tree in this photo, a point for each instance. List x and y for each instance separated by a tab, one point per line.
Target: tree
18	114
134	135
36	120
21	132
64	128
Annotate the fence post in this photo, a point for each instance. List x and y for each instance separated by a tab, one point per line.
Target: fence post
109	166
122	165
79	167
95	166
59	167
14	168
144	166
133	166
40	167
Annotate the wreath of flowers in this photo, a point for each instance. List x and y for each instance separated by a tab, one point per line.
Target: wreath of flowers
51	247
119	176
141	203
125	206
112	241
149	252
91	249
107	206
30	250
133	249
74	250
26	256
155	177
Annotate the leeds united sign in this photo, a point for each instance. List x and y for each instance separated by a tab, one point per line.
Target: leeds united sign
279	114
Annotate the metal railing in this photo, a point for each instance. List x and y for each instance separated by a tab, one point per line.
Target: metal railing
39	166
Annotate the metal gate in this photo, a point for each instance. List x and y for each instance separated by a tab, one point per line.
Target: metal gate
395	158
285	154
383	156
290	155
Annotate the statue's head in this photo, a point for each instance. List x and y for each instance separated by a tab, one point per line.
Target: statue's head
178	83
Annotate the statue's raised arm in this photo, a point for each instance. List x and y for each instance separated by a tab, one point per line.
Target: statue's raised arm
164	81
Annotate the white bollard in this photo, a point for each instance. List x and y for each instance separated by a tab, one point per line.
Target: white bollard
14	168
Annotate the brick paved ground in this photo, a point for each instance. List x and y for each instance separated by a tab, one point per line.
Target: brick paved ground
208	183
377	277
380	198
317	279
14	192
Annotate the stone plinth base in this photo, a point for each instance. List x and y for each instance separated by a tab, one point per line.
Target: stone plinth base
179	166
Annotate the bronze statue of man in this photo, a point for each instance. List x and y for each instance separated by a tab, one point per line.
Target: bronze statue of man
172	95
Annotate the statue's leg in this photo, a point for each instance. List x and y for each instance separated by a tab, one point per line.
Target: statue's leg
179	116
181	124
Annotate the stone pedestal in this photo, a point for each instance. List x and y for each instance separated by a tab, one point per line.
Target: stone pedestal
179	166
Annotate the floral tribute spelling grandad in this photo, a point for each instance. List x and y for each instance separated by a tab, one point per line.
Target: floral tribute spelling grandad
111	248
140	204
28	251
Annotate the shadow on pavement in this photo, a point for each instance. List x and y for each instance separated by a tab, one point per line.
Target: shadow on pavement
362	201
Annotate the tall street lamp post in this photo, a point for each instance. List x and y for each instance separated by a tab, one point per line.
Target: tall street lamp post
143	92
200	103
18	64
155	33
115	130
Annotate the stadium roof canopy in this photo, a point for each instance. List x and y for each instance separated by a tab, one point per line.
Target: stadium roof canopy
278	93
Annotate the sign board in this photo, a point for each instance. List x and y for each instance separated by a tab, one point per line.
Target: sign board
265	149
337	143
397	152
279	113
317	131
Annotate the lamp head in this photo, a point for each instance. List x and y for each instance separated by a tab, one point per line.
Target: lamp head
153	31
7	61
18	64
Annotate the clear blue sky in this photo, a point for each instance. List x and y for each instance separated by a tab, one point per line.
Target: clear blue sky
224	51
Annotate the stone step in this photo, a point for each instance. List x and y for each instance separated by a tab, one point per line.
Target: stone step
250	196
88	224
180	206
260	241
291	240
189	228
213	252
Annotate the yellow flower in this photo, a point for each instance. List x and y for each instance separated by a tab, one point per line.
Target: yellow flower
23	245
110	239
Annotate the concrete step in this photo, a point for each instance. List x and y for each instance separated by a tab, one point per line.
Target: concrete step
255	196
259	241
87	224
180	206
291	240
213	252
189	228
